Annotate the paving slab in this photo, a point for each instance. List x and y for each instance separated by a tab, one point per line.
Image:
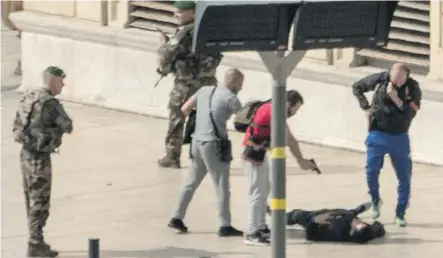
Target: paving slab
106	184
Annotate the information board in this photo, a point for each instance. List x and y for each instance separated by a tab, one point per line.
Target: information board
341	24
242	27
265	25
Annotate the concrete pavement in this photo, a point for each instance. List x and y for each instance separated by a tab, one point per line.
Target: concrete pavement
107	185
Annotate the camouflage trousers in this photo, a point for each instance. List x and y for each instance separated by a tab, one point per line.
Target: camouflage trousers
181	92
37	175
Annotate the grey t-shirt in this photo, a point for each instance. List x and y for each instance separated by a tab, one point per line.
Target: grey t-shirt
224	103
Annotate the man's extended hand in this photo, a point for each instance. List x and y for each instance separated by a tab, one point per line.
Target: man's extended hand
368	112
392	91
306	164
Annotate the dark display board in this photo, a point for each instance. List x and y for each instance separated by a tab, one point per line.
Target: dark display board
242	27
341	24
265	26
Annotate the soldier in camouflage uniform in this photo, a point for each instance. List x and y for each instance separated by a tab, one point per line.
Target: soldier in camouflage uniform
39	125
191	73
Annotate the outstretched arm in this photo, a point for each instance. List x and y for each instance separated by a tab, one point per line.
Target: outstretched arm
300	217
189	105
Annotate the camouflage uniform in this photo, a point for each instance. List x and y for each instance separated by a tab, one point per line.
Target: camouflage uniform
39	125
191	73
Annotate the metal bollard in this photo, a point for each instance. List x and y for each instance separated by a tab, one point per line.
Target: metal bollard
94	248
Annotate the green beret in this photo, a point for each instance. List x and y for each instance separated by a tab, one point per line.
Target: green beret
55	71
184	5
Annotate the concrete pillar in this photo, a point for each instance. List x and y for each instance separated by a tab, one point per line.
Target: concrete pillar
347	57
436	47
317	54
10	7
118	13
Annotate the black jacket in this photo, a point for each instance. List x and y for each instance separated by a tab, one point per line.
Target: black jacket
338	227
386	116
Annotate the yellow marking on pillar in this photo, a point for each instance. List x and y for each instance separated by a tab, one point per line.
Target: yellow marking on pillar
278	204
278	153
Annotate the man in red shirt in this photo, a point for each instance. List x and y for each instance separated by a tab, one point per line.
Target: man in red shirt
257	141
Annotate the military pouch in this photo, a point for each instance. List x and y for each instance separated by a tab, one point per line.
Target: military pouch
46	141
224	149
254	154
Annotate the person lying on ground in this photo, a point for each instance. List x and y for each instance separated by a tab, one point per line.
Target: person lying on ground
336	225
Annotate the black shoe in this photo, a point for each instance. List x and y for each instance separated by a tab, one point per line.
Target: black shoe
41	250
229	231
178	224
256	239
265	232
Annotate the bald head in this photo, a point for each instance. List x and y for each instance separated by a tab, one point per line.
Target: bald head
398	74
234	79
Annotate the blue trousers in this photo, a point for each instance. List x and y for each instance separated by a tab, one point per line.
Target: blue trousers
397	146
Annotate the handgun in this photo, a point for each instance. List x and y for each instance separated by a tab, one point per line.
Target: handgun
316	169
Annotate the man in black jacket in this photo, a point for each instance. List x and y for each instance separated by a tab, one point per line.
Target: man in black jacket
336	225
395	103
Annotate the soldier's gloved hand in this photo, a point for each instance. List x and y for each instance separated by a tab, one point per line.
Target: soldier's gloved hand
163	38
159	71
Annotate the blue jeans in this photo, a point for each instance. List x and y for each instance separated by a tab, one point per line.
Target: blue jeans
397	146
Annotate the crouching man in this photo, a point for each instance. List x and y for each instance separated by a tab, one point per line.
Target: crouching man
336	225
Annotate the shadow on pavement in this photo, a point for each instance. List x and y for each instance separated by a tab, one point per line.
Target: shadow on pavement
430	225
295	233
390	238
426	226
325	169
168	252
407	241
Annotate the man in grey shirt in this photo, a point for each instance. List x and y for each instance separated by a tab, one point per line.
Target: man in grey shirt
222	102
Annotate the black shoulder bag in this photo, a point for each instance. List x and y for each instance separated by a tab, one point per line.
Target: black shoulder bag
190	127
224	148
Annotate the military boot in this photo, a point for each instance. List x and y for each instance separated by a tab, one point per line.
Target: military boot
170	161
41	250
18	69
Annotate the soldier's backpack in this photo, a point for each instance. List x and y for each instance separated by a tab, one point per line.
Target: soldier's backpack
243	117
